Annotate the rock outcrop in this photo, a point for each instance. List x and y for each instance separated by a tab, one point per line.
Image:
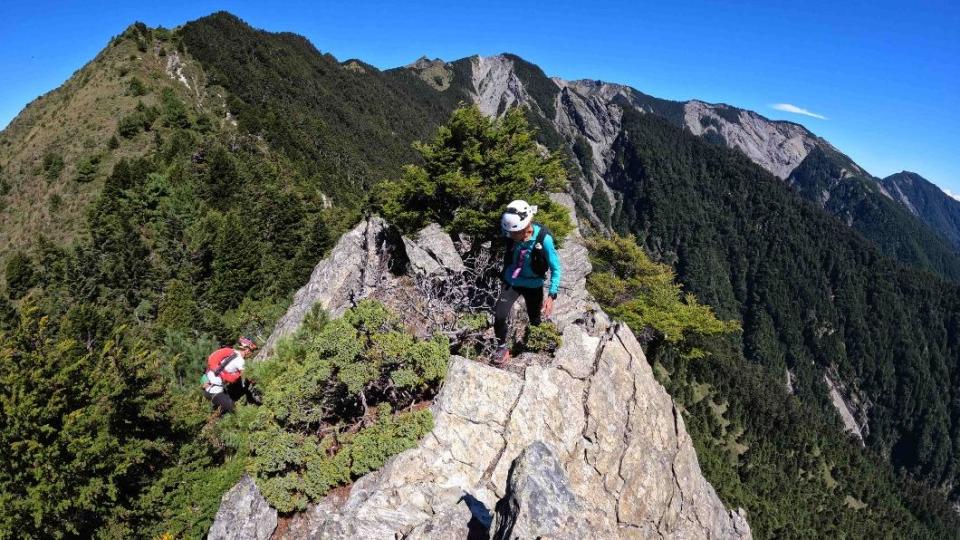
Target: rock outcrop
587	108
243	515
612	430
349	273
849	405
496	86
778	147
539	502
432	252
591	109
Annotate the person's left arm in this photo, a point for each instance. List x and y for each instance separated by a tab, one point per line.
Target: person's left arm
556	271
553	258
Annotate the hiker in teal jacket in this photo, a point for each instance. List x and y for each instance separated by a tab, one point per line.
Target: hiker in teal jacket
529	256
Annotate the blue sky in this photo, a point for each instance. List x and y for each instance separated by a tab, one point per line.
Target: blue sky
884	75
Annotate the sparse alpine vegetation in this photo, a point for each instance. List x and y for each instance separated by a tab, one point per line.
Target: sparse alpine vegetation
646	296
337	401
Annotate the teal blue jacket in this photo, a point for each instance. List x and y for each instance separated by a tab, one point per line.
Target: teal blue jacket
527	278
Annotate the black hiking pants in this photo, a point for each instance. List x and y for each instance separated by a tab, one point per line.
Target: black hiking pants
226	400
532	297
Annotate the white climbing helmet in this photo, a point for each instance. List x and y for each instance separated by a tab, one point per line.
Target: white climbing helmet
517	217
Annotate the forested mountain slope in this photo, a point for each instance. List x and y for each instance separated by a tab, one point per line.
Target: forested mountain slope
928	202
813	297
55	154
323	115
829	179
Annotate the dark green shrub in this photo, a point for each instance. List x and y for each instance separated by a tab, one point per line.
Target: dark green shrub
54	202
178	307
52	165
543	338
203	123
328	400
87	169
89	422
601	204
136	87
584	153
20	274
141	119
174	111
129	126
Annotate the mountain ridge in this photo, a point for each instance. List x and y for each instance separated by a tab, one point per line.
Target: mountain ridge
927	201
781	147
37	199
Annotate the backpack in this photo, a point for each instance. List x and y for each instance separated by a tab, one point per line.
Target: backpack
218	361
539	262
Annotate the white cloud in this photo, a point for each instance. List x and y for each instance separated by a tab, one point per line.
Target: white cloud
952	194
796	110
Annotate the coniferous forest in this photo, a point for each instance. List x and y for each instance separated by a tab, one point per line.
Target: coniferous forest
811	296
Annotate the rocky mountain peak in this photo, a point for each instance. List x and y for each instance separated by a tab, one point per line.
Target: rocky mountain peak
424	62
496	85
595	88
585	444
436	72
776	146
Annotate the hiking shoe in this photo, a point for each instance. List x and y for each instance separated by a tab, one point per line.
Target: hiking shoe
501	356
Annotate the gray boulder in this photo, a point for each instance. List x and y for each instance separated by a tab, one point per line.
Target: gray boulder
456	523
350	272
431	251
243	515
539	502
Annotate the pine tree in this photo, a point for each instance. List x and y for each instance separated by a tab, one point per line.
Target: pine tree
647	296
81	424
472	168
235	261
20	274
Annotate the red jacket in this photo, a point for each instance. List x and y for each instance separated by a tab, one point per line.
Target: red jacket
218	356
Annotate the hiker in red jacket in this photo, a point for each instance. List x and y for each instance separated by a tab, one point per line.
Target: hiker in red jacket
223	382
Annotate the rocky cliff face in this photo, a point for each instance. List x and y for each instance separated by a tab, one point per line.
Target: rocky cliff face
778	147
591	109
587	116
625	465
496	86
587	109
244	514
